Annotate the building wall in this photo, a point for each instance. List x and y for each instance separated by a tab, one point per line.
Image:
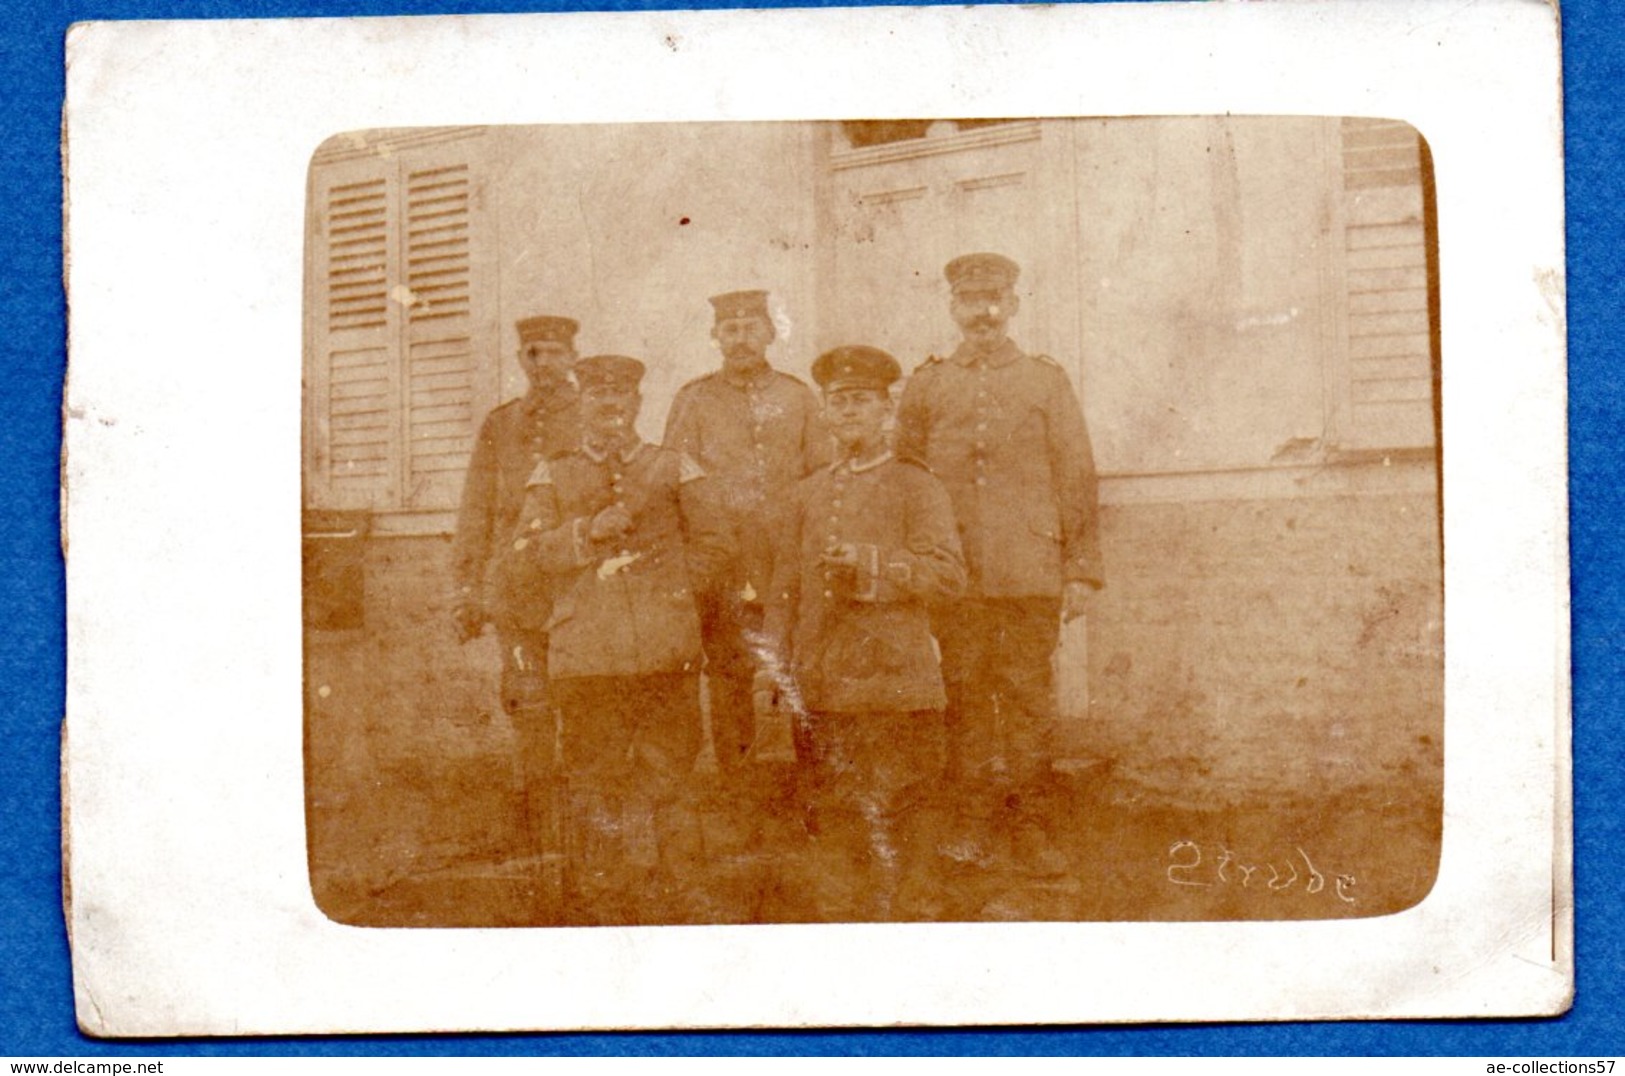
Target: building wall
1270	650
630	228
1203	278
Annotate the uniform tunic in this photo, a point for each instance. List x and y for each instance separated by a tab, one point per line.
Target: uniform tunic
1007	438
754	437
624	607
513	439
859	640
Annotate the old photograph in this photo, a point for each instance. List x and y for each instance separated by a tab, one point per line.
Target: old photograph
929	520
726	546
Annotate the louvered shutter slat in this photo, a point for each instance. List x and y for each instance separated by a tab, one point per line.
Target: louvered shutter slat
1389	389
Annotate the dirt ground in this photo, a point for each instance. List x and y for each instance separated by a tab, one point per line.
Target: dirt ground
447	846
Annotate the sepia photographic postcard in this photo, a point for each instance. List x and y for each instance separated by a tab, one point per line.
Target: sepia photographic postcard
890	516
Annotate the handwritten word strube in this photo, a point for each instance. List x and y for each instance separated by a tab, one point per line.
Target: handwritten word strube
1187	866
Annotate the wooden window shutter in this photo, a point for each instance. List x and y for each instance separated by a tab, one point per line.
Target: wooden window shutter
1386	399
400	297
354	424
440	341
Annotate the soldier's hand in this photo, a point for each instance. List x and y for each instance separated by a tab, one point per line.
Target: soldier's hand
611	523
470	620
840	555
1075	601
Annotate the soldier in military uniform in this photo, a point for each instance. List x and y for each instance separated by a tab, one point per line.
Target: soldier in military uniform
622	535
1004	432
756	432
514	438
869	542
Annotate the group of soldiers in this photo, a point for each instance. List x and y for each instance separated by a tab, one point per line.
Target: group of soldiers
874	590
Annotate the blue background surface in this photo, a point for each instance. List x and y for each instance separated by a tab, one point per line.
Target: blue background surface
36	1003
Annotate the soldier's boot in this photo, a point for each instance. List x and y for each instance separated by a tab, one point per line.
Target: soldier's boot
539	838
1033	852
594	867
920	886
677	889
733	723
881	857
539	771
540	842
840	857
967	839
643	889
545	849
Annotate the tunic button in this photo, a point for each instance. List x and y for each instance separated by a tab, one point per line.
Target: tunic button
829	594
981	481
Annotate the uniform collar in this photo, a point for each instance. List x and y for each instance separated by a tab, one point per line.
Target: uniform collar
627	454
1003	355
553	398
754	379
859	468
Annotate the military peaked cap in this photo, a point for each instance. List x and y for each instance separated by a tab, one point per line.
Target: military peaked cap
547	329
609	371
981	272
740	304
855	367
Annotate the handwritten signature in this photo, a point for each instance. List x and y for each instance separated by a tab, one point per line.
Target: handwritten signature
1187	866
